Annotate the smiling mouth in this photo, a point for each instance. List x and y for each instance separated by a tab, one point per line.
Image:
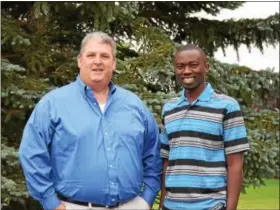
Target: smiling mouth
97	70
188	79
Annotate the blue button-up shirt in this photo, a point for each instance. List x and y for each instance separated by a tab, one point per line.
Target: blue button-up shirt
70	147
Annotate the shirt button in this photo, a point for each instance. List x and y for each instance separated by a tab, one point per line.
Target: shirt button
94	104
108	149
111	166
113	199
105	134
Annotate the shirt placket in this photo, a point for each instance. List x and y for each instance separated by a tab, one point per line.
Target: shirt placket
110	154
109	149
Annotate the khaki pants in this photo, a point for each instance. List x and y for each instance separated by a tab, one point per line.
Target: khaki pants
136	203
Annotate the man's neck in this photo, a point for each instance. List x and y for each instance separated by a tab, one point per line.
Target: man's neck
101	94
192	95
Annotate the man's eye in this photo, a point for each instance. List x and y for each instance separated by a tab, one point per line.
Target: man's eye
180	67
193	65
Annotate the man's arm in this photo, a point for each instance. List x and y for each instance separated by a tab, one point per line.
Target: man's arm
152	163
165	164
234	179
236	143
164	154
35	158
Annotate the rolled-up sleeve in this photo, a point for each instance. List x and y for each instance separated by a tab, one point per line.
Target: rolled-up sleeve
34	155
152	162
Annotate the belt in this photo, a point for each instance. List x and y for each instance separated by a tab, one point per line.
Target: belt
82	203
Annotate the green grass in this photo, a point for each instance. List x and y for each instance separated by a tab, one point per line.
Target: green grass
261	198
265	197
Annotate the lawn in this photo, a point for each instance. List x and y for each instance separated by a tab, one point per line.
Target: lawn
265	197
261	198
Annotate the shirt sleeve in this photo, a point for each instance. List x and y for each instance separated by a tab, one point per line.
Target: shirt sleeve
235	135
152	163
34	155
164	151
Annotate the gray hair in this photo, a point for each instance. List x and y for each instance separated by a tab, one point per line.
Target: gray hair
103	37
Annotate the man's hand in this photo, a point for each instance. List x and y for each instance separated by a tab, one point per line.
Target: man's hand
61	207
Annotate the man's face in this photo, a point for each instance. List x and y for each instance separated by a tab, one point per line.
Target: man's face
190	68
96	63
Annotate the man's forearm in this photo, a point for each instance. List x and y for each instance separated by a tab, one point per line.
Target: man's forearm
234	185
165	164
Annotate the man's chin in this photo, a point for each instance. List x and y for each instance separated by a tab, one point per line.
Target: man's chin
96	80
189	86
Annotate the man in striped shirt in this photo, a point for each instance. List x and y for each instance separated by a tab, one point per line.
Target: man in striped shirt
203	141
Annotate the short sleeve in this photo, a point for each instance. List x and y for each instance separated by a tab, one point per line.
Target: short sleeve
235	135
164	151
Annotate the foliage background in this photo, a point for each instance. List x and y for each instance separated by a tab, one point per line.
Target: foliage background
40	42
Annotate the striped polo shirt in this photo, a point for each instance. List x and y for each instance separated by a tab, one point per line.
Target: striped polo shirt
195	139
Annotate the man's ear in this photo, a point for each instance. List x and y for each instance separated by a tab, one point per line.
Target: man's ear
115	64
207	67
79	60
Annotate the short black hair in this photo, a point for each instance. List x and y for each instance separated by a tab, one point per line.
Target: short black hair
192	47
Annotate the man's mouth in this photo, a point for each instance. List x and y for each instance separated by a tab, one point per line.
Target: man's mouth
188	80
97	70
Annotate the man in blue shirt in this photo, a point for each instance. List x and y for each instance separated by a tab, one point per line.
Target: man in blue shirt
203	141
91	144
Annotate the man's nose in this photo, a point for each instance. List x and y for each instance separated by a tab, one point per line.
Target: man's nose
187	69
97	60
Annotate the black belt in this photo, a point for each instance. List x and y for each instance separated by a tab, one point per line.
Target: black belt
63	198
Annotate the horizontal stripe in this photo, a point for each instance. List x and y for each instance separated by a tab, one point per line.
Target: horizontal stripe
196	163
185	190
196	142
164	154
177	109
195	196
191	114
165	146
233	115
188	133
195	108
208	109
195	170
203	181
237	148
196	154
235	133
236	142
233	122
205	116
195	125
205	203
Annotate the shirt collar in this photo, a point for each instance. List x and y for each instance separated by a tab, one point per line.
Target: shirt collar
204	96
83	87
